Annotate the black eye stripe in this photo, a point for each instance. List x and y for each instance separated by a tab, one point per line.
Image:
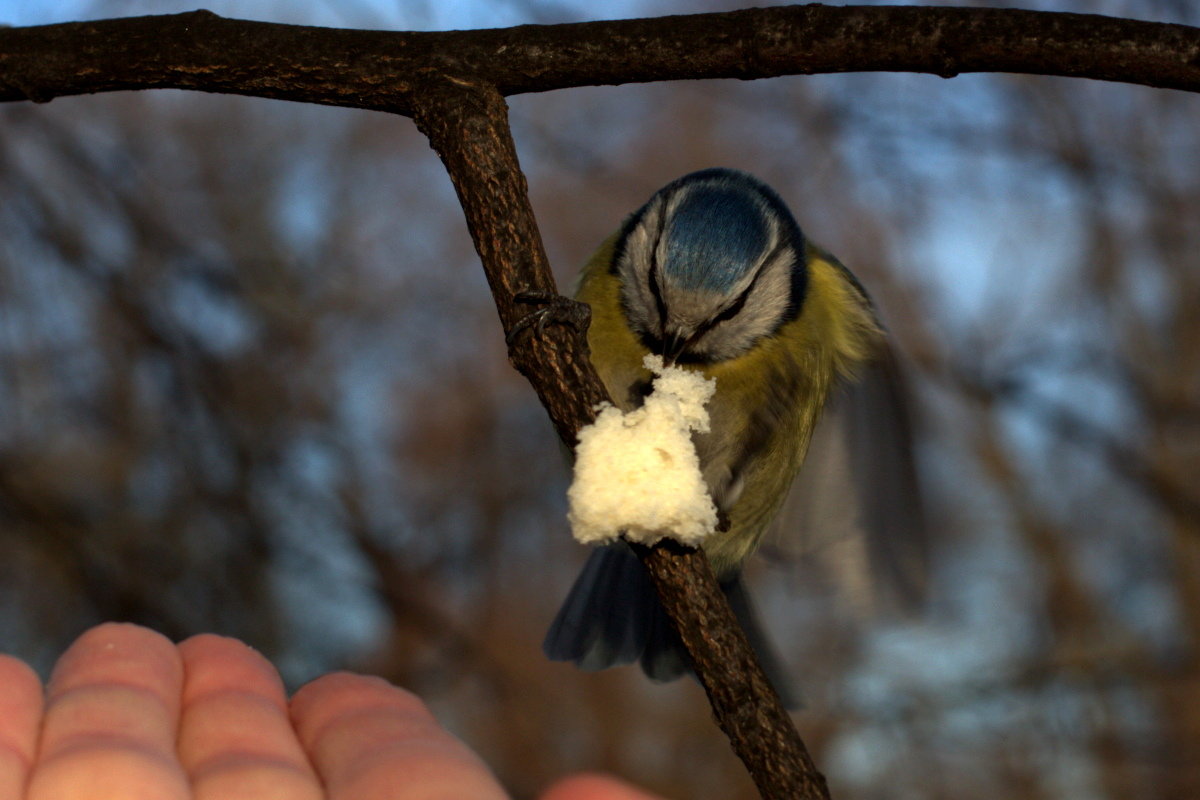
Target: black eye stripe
659	303
652	275
735	308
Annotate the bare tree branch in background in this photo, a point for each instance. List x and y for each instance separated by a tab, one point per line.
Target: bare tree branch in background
385	71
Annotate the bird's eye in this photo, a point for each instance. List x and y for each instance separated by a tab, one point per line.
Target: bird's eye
732	310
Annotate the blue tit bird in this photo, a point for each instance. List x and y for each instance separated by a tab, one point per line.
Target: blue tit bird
714	275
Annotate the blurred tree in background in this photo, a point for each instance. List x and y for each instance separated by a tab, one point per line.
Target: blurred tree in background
252	382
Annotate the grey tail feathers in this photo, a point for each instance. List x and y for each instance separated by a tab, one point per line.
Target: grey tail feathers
612	616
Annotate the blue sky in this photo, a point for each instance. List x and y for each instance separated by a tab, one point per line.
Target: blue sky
431	15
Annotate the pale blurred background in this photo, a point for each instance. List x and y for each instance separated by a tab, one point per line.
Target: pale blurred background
252	382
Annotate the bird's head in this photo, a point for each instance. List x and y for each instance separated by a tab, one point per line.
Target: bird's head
710	265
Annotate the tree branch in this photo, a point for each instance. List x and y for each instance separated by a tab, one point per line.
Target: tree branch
743	700
468	127
382	69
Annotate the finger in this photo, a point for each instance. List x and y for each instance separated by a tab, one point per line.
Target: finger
20	713
111	714
595	787
369	739
235	737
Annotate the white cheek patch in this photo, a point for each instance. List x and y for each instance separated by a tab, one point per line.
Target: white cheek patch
633	270
772	294
764	308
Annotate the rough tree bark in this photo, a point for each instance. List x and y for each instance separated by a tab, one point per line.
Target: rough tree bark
383	69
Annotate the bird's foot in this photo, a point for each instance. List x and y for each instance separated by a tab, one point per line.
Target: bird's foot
554	309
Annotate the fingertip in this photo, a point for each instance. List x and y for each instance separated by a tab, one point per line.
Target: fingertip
346	681
17	678
21	699
595	786
337	694
368	738
121	631
215	663
111	714
205	640
118	652
20	714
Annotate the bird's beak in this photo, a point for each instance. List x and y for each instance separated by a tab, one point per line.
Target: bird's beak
673	347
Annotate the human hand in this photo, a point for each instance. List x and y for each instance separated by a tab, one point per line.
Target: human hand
128	714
